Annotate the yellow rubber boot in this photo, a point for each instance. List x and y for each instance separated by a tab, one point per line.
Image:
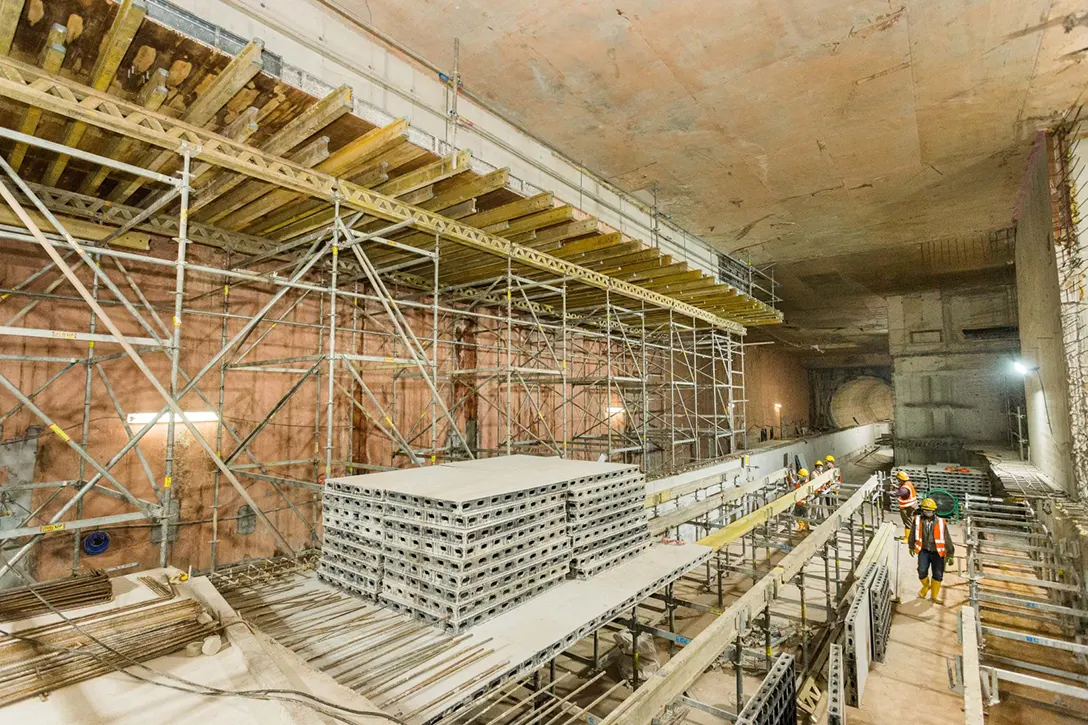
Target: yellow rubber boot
906	533
935	592
925	588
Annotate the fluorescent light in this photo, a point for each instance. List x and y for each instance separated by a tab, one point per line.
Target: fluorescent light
193	416
615	409
778	406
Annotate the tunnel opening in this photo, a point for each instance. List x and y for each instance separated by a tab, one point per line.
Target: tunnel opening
860	401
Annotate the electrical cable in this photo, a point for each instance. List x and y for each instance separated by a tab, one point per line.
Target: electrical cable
293	696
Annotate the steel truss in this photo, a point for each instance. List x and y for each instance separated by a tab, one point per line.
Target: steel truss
359	367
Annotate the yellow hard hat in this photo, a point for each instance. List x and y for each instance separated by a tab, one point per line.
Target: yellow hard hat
929	505
902	476
803	472
830	459
818	464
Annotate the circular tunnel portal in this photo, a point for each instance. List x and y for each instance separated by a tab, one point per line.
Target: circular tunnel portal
860	401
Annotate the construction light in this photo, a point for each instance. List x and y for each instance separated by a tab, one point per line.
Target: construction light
778	406
193	416
616	409
1023	369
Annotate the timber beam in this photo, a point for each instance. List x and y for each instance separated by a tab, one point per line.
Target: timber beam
32	86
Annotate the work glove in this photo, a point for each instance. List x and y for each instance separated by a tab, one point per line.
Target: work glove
950	561
910	550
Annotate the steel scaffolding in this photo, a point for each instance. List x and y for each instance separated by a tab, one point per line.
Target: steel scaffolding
324	334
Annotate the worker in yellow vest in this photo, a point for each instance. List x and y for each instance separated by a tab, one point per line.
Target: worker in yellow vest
907	498
800	507
931	543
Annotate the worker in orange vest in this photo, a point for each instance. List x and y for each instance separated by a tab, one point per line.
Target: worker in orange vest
930	542
908	501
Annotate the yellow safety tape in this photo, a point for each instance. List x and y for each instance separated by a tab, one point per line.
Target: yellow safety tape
168	481
177	321
63	436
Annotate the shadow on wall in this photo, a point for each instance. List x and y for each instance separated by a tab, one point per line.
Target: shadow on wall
861	401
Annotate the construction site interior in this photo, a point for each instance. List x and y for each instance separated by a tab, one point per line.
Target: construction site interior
520	363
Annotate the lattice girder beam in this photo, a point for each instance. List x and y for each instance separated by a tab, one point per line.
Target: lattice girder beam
32	86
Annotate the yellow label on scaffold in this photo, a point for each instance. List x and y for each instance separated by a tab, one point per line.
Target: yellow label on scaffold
51	527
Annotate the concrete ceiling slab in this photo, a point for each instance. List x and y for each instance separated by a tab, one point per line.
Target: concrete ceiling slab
786	131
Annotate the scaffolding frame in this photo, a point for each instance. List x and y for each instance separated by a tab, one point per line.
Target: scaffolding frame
377	335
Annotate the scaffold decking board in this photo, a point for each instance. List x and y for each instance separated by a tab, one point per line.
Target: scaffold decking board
533	633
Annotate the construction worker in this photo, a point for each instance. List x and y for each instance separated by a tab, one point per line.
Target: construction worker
907	498
829	491
838	473
930	542
800	507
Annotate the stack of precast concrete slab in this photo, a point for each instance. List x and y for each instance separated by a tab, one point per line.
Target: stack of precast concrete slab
459	543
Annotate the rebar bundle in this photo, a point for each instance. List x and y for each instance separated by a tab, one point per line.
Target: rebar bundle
82	591
53	656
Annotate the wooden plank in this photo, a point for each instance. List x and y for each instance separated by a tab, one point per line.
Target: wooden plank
122	148
239	71
468	189
50	59
260	199
25	84
540	220
301	127
114	47
318	214
513	210
240	129
362	148
445	168
10	12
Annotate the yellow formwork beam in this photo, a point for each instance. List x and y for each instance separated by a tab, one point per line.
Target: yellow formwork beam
55	94
734	531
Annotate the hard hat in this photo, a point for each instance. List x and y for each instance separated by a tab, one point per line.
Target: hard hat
929	505
803	472
830	459
902	476
818	464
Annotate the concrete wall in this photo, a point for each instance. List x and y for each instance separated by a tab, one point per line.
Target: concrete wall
951	390
1045	389
773	375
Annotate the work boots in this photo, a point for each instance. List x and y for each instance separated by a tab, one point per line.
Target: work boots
906	533
935	593
925	588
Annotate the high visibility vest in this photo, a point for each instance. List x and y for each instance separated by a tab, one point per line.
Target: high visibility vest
940	531
910	501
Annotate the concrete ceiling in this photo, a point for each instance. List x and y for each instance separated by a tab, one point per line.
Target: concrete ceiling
804	132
